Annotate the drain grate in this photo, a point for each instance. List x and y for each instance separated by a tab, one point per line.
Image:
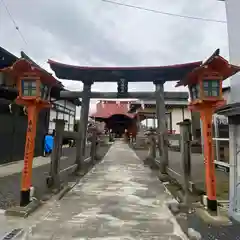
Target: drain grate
14	233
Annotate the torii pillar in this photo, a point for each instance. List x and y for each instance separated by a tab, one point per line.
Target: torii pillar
82	128
161	127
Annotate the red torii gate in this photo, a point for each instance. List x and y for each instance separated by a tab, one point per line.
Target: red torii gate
157	75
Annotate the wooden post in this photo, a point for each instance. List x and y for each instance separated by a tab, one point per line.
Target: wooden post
153	146
28	155
151	158
185	136
109	135
80	149
93	145
53	180
161	128
154	121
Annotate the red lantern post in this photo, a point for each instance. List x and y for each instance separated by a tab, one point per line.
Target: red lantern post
34	85
205	87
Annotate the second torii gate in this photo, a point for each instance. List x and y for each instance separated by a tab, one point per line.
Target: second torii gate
122	75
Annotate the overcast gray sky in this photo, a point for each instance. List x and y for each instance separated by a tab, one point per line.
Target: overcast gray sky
95	33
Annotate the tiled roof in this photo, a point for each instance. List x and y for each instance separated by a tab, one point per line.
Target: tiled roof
106	109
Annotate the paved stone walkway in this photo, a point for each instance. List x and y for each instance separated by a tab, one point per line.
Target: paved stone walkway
118	199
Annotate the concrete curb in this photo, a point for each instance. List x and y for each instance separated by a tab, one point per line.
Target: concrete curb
81	174
164	179
177	207
15	233
24	211
215	220
65	190
55	195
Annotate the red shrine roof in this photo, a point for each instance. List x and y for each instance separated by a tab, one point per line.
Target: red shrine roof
216	64
22	66
106	109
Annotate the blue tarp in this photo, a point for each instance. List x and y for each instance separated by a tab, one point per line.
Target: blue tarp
48	143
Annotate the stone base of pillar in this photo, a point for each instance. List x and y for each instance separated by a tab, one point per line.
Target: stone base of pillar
147	160
162	166
97	158
163	177
151	162
25	198
212	205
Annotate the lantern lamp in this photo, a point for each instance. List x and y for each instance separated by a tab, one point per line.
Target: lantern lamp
31	89
205	87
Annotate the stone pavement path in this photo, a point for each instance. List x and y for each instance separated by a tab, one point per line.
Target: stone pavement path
118	199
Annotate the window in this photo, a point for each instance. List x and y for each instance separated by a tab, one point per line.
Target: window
44	91
60	116
195	91
53	114
221	139
66	117
71	106
71	120
61	103
211	88
71	127
51	125
66	126
29	88
67	111
59	107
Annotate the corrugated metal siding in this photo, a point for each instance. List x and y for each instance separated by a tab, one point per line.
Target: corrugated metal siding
13	134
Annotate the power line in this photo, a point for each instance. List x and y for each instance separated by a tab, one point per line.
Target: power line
14	22
164	13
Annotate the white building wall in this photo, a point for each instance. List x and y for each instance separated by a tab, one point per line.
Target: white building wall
227	96
187	114
178	116
69	125
220	119
233	20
